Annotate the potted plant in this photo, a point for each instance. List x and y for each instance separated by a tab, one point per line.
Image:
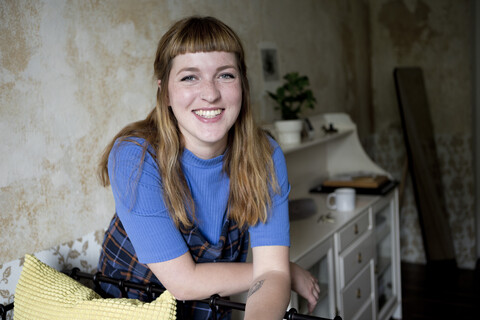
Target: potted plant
290	99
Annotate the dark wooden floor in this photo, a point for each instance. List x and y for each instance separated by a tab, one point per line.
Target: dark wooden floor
439	293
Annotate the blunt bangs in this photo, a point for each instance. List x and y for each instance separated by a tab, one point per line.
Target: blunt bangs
205	35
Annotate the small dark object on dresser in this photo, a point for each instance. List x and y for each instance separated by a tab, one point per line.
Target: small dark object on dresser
301	208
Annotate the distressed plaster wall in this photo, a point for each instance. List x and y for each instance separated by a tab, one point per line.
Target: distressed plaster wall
435	35
72	73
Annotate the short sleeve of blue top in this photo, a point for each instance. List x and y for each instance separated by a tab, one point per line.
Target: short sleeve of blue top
137	190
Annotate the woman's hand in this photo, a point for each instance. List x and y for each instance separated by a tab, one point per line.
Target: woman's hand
305	285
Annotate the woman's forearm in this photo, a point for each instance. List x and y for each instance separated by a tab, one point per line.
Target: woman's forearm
270	291
187	280
224	279
268	296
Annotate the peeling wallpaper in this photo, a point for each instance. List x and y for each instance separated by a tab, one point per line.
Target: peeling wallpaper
435	35
72	73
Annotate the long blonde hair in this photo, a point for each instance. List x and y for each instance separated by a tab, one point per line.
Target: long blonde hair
248	158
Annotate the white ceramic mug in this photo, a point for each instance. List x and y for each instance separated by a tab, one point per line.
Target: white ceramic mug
343	199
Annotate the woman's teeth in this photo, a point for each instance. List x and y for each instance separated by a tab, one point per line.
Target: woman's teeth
208	113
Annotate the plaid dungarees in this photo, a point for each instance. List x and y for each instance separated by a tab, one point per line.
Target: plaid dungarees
119	260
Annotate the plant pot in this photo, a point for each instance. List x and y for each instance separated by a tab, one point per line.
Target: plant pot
289	131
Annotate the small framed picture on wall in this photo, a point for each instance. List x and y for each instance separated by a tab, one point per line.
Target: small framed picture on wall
271	78
271	74
270	64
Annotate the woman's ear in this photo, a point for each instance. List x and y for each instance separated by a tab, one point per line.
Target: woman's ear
159	83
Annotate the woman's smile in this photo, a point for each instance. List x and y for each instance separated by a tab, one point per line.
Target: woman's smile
208	113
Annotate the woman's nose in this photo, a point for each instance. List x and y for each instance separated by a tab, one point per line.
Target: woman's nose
210	91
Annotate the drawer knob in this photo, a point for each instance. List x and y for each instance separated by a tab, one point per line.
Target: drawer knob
355	229
359	293
359	257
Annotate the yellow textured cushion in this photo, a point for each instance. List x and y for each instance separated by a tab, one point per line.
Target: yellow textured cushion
44	293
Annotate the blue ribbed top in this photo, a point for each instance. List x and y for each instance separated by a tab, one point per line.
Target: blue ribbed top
139	202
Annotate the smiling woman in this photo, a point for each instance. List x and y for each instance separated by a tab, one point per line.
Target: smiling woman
194	177
205	95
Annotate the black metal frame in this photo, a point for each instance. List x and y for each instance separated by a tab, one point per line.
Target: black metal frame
215	302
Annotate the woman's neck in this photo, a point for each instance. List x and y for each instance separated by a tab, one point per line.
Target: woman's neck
207	151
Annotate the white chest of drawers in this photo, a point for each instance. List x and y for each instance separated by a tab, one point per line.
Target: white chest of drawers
355	256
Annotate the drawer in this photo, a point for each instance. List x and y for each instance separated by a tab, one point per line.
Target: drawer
357	293
354	231
366	313
356	258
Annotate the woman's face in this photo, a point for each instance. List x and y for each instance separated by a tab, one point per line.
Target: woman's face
205	94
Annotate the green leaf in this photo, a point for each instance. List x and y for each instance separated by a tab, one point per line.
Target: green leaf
293	95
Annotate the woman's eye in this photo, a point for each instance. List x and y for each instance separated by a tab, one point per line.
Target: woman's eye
227	76
188	78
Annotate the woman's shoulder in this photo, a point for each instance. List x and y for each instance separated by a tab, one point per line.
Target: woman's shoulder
273	142
131	148
129	142
276	149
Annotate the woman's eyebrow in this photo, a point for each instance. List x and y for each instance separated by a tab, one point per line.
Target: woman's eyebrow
195	69
188	69
228	66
